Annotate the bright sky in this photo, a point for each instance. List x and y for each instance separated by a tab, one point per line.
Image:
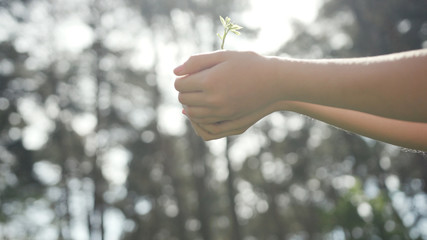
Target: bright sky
273	18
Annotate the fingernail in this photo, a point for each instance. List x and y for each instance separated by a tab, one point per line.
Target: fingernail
178	69
183	112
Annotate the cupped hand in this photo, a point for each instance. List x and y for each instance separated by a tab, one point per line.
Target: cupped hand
211	131
226	85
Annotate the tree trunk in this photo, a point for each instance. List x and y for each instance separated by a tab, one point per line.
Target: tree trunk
236	233
200	172
170	169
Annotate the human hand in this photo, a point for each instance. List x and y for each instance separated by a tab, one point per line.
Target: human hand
226	85
211	131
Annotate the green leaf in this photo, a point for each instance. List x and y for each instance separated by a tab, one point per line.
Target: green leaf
228	27
235	32
236	27
222	21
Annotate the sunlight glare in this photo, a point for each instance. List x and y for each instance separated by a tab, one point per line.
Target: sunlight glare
73	35
84	124
35	134
274	18
115	165
47	172
171	121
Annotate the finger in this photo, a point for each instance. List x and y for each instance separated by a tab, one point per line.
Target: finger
205	135
195	127
221	127
197	63
201	120
208	136
197	113
189	83
224	128
205	115
193	99
208	120
209	115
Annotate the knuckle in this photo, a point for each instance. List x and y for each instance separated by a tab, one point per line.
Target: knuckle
224	54
176	84
189	112
192	59
181	98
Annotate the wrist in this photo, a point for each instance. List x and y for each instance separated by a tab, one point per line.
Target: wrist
285	105
283	74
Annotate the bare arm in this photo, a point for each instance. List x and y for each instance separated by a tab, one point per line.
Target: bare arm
224	93
227	85
406	134
393	86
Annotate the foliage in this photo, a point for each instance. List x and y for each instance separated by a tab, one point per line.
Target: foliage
85	152
228	27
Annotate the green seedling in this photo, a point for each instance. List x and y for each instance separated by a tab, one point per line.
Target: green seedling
228	27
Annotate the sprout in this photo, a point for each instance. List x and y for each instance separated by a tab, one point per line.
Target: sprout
228	26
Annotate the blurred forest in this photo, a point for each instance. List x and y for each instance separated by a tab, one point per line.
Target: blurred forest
93	146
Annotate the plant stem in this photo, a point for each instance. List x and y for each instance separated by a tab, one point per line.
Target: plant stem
223	38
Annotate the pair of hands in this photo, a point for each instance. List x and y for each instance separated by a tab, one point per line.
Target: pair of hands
225	92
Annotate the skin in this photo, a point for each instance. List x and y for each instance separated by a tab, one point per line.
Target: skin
406	134
225	92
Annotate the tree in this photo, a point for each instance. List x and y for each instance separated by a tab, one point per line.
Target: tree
98	95
84	148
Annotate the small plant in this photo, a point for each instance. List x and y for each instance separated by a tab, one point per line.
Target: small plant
228	27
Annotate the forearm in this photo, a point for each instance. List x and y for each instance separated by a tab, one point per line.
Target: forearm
406	134
393	86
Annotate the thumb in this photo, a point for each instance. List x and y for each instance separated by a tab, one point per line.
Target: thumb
199	62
